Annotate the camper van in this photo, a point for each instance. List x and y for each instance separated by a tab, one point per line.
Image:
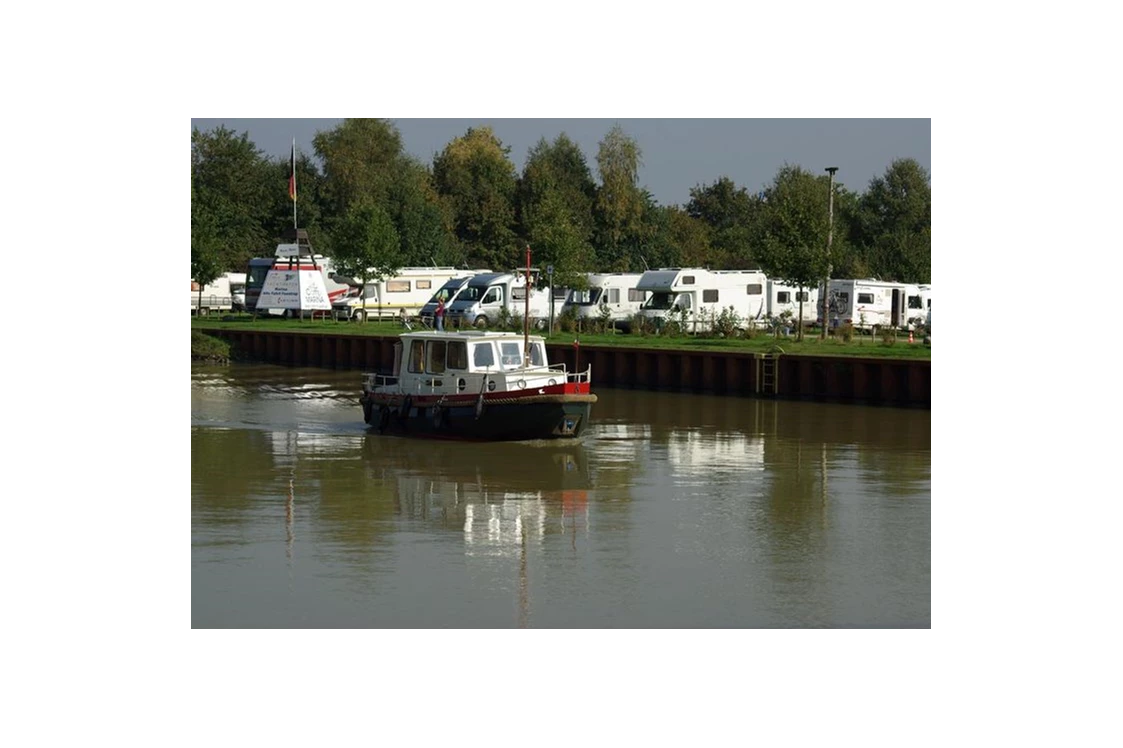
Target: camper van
783	297
447	293
488	294
869	304
405	293
223	294
615	292
698	296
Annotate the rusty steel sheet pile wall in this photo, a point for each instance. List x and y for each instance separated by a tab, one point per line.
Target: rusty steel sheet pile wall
865	380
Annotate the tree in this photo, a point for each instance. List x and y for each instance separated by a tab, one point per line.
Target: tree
361	158
688	242
791	234
728	212
894	223
230	200
366	243
620	203
477	181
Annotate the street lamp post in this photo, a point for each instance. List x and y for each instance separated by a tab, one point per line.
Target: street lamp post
830	235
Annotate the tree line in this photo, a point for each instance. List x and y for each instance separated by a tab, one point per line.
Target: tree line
372	205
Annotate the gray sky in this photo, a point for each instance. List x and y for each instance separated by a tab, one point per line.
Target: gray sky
677	154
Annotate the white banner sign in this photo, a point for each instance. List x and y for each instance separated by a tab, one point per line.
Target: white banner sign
294	289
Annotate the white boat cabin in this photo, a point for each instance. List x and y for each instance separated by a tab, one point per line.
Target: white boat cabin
469	362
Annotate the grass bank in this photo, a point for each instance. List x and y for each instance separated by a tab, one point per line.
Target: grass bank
208	348
866	346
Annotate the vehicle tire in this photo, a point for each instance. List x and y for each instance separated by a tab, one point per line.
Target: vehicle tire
360	315
539	324
481	322
203	311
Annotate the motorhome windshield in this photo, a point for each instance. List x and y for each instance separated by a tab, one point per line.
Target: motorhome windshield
587	297
659	300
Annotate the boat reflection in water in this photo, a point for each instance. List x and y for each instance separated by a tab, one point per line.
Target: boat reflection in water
500	495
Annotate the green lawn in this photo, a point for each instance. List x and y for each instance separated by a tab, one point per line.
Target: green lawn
861	345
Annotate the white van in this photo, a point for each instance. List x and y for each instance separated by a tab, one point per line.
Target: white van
488	295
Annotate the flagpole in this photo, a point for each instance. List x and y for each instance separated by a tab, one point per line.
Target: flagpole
292	184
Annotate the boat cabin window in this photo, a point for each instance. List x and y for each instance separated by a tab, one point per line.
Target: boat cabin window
483	355
537	354
512	356
457	354
417	356
436	350
865	298
494	296
709	296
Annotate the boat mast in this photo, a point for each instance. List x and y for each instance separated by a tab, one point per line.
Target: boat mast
526	312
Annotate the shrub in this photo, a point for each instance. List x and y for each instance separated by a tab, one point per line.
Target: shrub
728	322
845	331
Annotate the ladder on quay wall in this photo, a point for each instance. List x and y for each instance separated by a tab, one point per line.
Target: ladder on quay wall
768	371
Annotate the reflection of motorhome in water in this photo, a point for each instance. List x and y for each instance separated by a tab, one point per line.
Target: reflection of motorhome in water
612	295
697	296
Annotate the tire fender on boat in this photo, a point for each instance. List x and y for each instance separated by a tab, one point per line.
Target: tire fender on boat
407	406
383	419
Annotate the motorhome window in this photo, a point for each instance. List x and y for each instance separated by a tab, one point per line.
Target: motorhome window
483	355
914	303
537	354
801	296
683	301
755	289
437	350
397	287
518	294
688	280
424	284
659	300
494	296
865	298
634	295
613	296
370	291
457	354
709	296
417	356
843	297
783	297
512	355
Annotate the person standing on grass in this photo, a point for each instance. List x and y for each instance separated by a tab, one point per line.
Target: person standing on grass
439	315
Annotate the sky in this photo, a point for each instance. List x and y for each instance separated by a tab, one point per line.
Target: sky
676	154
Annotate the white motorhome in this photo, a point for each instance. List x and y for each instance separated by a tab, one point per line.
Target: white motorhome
406	292
868	303
223	294
920	305
487	295
615	292
446	293
783	297
698	296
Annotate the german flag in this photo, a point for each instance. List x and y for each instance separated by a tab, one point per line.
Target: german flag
292	173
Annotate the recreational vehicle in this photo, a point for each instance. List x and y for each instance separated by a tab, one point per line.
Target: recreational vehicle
614	295
868	304
783	297
405	293
223	294
697	296
488	295
446	293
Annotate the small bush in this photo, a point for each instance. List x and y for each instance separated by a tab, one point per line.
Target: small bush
845	332
888	336
728	322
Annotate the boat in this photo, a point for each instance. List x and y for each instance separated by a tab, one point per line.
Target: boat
477	385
